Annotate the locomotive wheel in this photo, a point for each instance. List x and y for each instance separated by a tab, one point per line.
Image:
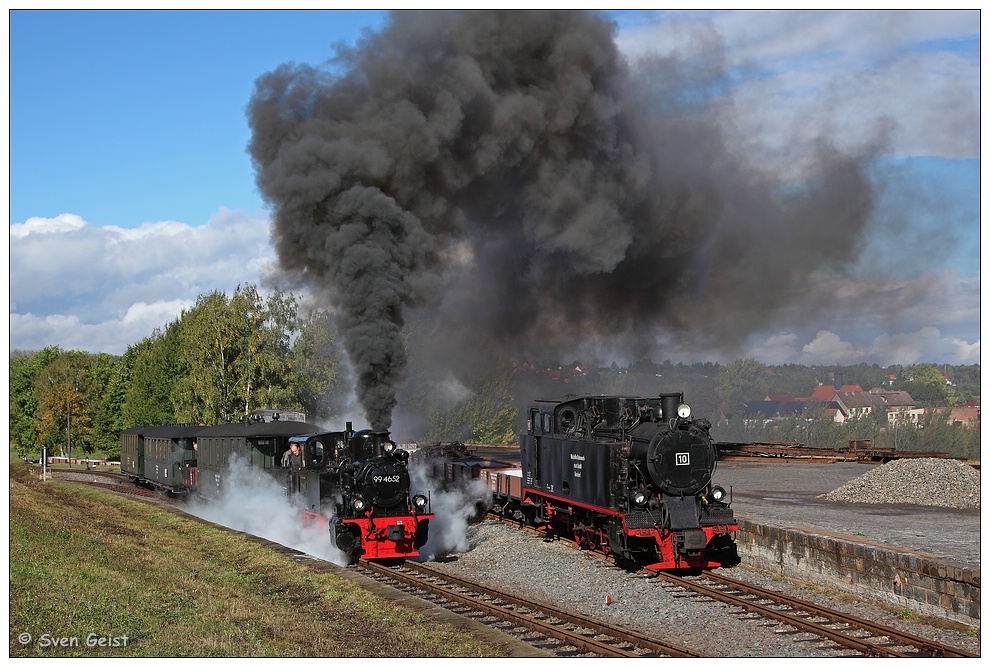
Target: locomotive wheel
344	539
592	539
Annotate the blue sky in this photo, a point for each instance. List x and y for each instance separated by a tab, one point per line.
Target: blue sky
131	192
131	117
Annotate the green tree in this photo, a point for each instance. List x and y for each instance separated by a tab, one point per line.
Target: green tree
740	381
318	372
264	362
866	426
107	395
65	392
491	413
485	417
151	369
210	339
236	356
63	423
924	382
899	435
820	428
25	395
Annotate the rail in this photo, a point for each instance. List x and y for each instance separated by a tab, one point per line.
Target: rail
572	630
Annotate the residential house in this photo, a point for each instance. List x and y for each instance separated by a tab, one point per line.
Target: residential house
826	392
897	404
852	404
968	416
773	409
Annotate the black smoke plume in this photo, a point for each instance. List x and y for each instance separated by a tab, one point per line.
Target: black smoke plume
510	174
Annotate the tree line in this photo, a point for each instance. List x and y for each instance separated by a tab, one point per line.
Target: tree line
228	356
221	359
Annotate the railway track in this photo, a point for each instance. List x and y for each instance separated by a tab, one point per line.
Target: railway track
850	632
558	631
863	636
126	489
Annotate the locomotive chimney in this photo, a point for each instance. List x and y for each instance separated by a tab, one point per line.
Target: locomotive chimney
668	405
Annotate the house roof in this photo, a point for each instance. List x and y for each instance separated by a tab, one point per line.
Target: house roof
771	409
854	399
893	399
827	392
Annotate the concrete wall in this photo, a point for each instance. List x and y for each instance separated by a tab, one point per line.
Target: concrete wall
923	583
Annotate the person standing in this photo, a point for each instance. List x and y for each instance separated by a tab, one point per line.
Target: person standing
292	457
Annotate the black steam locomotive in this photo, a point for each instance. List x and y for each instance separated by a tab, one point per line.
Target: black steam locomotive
354	484
628	476
360	480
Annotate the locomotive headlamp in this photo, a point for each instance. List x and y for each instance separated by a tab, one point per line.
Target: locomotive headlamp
718	493
389	446
683	410
419	502
359	504
639	498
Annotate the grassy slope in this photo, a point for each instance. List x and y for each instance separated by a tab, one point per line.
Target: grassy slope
87	563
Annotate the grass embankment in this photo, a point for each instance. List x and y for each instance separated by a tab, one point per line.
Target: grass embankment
88	566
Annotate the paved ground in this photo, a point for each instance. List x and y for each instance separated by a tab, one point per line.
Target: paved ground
784	494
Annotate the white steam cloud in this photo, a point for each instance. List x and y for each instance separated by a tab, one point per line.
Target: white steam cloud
454	509
254	502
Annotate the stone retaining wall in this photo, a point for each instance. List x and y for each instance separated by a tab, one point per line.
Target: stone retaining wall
919	582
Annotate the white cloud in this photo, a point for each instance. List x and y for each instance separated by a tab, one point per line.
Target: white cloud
926	344
828	348
100	289
847	75
66	222
144	313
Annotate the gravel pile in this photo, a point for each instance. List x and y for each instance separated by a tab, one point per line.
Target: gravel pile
500	556
930	482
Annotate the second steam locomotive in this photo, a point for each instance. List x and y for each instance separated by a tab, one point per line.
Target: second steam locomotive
630	477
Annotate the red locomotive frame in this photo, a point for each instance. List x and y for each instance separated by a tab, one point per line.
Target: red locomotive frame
559	515
381	537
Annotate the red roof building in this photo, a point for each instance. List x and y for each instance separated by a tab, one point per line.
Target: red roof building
826	392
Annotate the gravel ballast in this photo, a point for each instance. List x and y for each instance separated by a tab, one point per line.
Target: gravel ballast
501	556
927	481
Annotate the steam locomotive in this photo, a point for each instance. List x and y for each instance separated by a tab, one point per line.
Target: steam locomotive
360	480
353	484
630	477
